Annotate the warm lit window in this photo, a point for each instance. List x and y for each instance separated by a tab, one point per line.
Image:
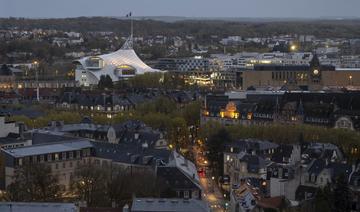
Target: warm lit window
222	114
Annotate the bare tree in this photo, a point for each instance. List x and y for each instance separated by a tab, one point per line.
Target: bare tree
34	182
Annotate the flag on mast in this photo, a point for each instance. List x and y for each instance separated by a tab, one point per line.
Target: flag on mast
128	15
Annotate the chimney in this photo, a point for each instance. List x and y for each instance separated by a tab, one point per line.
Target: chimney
21	129
144	146
136	136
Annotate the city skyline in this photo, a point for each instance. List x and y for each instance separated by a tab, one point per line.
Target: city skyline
186	8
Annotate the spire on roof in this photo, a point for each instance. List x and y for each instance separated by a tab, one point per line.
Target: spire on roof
315	63
128	43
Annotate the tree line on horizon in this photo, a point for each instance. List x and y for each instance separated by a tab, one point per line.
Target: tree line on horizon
198	28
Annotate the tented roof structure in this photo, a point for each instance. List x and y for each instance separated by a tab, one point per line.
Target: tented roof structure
108	64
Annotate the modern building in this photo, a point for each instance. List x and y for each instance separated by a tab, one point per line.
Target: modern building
121	64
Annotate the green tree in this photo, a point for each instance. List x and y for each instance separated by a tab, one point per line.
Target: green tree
105	82
323	200
191	113
215	146
342	196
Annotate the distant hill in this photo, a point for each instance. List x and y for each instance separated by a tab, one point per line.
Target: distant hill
171	19
200	27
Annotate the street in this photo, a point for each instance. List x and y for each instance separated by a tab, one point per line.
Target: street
211	192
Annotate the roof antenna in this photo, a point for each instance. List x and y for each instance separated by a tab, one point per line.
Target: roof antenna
129	42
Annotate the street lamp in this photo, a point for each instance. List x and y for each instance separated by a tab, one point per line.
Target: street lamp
350	79
293	47
37	80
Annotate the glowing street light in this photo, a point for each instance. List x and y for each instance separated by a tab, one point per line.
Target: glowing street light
293	47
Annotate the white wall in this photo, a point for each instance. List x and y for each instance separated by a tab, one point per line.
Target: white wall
6	128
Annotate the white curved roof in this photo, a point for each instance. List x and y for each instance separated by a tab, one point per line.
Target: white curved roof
124	56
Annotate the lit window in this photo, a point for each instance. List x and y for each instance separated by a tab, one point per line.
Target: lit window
222	114
56	156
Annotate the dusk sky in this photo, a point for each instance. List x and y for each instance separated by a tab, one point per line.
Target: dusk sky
189	8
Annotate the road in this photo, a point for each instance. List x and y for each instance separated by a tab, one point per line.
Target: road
212	195
211	192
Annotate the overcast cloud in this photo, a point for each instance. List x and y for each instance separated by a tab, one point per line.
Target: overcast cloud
189	8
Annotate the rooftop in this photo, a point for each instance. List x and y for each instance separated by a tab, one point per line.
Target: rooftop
168	205
37	206
186	166
133	153
70	145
